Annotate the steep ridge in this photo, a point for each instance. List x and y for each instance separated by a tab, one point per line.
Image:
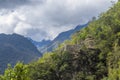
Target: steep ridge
14	48
60	38
93	53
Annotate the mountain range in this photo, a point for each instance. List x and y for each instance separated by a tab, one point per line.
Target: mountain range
93	53
47	45
14	48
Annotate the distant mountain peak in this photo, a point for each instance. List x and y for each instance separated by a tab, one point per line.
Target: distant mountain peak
47	45
14	48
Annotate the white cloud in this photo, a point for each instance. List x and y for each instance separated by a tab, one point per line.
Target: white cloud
22	28
45	19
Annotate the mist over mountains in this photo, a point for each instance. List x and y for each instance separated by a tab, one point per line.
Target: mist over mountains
15	47
48	45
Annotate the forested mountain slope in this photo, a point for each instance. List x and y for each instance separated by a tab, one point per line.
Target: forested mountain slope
93	53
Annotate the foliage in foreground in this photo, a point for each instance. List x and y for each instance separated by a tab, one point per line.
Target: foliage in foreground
92	54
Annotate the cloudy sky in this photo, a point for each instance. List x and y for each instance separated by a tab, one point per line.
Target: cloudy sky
45	19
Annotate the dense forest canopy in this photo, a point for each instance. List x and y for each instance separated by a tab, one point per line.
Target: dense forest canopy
92	54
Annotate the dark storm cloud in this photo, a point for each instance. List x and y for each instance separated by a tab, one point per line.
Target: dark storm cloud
12	3
8	4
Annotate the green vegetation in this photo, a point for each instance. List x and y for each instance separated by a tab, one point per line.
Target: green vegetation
92	54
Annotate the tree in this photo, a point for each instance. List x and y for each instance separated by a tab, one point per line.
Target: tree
9	74
19	72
